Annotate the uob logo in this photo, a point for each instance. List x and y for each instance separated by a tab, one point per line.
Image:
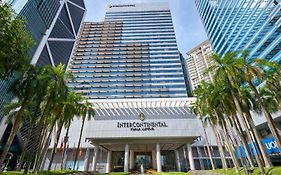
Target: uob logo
271	145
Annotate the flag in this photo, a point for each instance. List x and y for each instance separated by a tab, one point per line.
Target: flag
73	150
61	147
81	152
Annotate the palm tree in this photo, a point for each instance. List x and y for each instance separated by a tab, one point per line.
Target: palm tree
273	82
32	118
248	103
219	102
203	109
227	69
24	88
87	112
54	92
253	70
66	112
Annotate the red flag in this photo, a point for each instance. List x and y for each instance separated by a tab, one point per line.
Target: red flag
73	150
61	146
80	152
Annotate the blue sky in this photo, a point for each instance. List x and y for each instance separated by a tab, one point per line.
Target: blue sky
188	26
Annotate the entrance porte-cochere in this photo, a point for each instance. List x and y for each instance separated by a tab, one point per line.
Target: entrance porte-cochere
138	156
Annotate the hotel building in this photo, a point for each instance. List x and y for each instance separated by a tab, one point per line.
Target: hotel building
129	68
198	61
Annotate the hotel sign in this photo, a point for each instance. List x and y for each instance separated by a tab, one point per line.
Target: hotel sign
142	126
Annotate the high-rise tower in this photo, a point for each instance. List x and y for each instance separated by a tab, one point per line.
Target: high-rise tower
129	55
198	61
238	25
54	26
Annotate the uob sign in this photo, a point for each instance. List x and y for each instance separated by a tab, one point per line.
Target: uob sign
270	145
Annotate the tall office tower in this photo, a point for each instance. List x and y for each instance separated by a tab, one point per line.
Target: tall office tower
238	25
198	60
129	55
129	68
54	25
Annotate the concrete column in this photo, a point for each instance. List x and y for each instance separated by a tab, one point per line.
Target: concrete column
95	158
108	162
126	158
86	160
132	159
158	158
190	157
185	157
153	155
178	160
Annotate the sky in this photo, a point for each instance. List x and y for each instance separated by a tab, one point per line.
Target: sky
187	23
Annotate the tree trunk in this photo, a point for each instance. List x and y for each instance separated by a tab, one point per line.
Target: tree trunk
33	146
208	149
240	113
43	152
252	141
230	148
15	128
79	141
55	145
41	124
25	145
40	149
261	146
223	160
244	142
268	117
65	140
237	142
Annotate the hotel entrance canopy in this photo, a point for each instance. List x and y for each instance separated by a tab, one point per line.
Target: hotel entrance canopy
142	126
142	119
141	103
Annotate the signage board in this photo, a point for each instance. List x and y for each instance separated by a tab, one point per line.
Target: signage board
269	144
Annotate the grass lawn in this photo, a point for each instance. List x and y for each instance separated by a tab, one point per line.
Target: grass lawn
256	171
172	173
116	173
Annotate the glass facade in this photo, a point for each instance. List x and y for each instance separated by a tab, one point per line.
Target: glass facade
132	54
40	15
243	24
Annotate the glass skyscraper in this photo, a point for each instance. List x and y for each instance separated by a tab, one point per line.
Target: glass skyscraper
243	24
54	26
132	54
